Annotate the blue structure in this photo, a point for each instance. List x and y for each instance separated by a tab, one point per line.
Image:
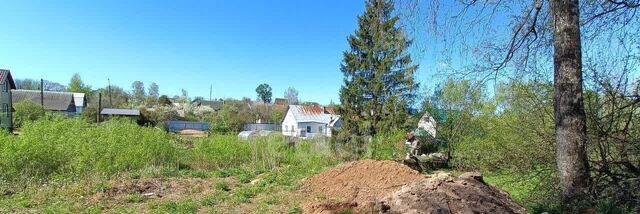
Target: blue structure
175	126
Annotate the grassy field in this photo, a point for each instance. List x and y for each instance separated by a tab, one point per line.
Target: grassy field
69	166
62	165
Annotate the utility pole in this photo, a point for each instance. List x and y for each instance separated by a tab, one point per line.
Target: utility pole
110	103
42	92
210	92
99	107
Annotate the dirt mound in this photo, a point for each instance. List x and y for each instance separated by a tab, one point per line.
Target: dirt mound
389	187
356	185
443	193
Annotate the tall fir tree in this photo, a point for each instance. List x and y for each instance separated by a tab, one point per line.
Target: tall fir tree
378	74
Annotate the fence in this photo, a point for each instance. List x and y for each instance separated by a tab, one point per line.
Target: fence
174	126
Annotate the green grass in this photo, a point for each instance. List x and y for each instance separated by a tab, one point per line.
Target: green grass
215	199
60	171
134	198
176	207
223	186
65	149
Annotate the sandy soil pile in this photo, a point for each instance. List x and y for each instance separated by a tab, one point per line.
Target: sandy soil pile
389	187
356	185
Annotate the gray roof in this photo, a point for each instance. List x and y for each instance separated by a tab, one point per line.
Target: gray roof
121	112
6	75
54	101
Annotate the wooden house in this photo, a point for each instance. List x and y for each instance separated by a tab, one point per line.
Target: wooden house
6	104
58	102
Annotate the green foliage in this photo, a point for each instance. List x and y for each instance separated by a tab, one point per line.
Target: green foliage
387	146
244	194
214	199
138	93
176	207
231	118
220	152
27	111
223	186
76	85
71	147
112	97
134	198
378	74
158	116
164	100
264	92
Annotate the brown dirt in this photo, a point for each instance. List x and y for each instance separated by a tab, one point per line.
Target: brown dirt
389	187
444	193
356	185
154	190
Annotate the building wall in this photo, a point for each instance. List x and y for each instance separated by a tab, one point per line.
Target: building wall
5	99
312	129
289	125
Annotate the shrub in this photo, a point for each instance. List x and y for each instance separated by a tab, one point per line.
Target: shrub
387	146
73	147
27	111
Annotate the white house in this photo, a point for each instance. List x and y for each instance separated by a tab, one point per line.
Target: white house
428	124
310	121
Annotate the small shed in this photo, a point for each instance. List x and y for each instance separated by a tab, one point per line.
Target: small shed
120	112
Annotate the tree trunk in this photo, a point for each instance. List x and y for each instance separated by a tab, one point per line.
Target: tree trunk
570	117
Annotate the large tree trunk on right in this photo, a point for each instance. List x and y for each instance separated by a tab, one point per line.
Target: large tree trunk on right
570	117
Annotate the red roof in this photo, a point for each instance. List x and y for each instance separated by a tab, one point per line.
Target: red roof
281	101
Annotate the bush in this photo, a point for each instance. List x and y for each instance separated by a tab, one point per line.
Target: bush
73	147
27	111
387	146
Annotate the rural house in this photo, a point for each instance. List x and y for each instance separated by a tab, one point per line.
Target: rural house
81	101
6	104
310	121
59	102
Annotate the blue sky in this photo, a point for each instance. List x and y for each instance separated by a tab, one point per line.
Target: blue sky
232	45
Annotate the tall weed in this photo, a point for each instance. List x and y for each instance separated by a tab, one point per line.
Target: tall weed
73	148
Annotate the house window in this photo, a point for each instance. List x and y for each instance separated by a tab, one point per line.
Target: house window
5	108
319	129
4	87
308	129
286	128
